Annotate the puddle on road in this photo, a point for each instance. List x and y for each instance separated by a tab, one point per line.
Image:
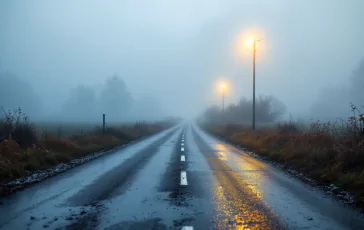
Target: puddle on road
136	210
48	216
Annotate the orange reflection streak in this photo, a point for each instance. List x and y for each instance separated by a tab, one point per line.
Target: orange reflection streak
238	201
254	178
221	154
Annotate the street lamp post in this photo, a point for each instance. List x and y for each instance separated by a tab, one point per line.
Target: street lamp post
254	54
223	100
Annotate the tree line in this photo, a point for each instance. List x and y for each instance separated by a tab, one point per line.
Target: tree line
268	109
82	104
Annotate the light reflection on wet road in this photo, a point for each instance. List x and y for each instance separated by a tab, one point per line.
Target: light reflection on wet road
140	187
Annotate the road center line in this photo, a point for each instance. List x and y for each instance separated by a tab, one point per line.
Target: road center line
187	228
182	144
182	149
183	178
183	158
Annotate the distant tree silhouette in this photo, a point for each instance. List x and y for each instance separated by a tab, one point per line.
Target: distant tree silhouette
81	104
334	100
16	92
357	83
268	109
115	100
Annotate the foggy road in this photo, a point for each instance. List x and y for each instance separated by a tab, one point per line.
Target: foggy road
181	178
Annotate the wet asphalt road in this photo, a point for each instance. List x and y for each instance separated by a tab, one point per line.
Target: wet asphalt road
181	178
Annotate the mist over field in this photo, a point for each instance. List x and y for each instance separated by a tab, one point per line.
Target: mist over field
181	114
147	60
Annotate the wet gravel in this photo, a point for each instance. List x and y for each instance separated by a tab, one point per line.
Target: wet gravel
40	175
37	176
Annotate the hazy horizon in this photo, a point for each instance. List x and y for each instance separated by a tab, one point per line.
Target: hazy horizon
173	54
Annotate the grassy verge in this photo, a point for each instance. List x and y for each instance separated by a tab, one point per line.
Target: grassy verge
28	150
325	153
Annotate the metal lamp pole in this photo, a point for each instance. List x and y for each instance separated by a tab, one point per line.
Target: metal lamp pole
223	104
254	54
222	86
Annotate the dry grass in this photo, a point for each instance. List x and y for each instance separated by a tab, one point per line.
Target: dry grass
19	156
328	153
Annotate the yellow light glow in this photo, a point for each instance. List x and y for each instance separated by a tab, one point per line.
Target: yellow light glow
244	42
222	86
250	41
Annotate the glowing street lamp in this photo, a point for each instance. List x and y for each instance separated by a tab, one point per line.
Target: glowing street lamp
250	41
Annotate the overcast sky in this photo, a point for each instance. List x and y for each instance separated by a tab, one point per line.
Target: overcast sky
177	51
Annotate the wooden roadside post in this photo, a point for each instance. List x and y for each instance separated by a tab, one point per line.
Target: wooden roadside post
103	123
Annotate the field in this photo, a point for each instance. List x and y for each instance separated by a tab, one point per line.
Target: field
41	146
65	129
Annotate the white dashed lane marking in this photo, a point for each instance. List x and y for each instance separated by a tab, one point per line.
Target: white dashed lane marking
184	178
187	228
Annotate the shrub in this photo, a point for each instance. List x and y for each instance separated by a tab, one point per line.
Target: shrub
287	128
16	126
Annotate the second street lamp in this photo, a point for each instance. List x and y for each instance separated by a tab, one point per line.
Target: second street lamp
223	100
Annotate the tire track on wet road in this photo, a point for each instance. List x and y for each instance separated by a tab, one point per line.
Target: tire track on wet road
119	177
242	207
